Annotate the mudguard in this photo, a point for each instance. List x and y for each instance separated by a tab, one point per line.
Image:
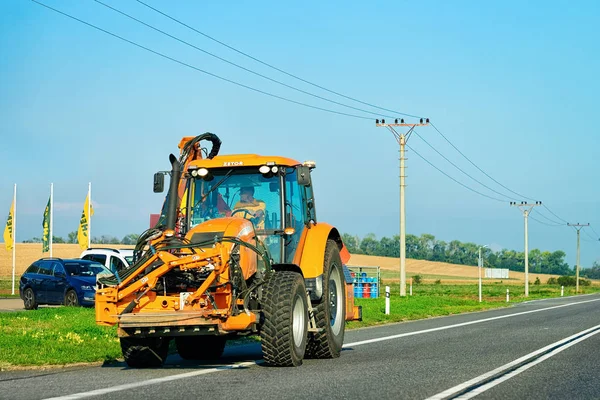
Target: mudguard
313	249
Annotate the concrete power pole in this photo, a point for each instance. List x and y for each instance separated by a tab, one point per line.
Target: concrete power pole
526	209
402	139
578	227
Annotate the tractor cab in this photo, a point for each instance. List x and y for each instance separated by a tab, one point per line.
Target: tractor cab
273	193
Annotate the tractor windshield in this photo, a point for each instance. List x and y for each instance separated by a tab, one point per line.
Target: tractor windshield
241	192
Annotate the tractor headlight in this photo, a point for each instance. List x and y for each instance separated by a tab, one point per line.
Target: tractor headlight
202	172
264	169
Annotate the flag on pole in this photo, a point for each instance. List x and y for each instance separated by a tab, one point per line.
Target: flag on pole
84	222
46	226
8	230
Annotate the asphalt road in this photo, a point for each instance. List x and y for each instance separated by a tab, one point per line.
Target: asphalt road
537	350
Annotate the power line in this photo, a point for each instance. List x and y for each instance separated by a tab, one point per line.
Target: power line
462	184
475	165
234	64
550	211
551	220
198	69
289	86
543	223
461	170
271	66
590	236
593	230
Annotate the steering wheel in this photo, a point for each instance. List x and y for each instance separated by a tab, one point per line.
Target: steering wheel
245	211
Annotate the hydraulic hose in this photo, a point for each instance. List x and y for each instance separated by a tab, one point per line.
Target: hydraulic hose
172	206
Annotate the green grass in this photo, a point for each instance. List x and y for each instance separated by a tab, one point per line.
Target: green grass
6	287
66	335
431	300
60	336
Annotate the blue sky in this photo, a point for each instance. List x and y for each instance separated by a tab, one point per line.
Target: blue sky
513	85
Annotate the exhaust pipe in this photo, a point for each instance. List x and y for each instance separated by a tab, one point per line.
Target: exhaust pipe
173	197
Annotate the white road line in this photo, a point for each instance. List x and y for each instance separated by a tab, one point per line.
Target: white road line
441	328
134	385
170	378
516	372
499	370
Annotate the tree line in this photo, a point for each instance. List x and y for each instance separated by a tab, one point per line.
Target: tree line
424	247
427	247
591	273
130	239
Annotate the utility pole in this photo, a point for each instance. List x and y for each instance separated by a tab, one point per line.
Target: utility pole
526	209
578	227
402	139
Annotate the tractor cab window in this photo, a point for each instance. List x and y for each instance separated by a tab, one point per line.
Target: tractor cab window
240	192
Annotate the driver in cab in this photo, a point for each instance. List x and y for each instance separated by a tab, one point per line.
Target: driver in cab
250	208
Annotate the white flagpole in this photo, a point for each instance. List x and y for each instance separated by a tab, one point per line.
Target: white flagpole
89	213
51	211
14	238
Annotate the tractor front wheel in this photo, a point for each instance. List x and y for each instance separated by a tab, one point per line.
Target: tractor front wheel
285	327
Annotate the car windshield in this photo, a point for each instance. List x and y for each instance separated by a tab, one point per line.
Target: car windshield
129	259
241	192
85	269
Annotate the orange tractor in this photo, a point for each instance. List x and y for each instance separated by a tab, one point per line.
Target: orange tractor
237	251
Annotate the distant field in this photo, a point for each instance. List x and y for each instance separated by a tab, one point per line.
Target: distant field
431	271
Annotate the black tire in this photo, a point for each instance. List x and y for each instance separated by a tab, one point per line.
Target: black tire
71	299
145	352
330	312
200	347
284	330
29	300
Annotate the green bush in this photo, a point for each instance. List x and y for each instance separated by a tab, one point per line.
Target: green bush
566	280
584	282
552	281
417	279
438	282
537	281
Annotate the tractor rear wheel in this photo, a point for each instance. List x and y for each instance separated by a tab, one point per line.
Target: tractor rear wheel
284	330
145	352
200	347
330	312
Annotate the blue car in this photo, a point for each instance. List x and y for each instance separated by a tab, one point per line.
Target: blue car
58	281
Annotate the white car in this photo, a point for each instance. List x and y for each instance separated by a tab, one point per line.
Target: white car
113	259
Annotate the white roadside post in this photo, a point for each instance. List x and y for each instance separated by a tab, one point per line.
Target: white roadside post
562	291
410	286
507	296
387	300
480	262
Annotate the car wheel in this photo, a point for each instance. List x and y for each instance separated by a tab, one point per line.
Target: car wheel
29	300
71	299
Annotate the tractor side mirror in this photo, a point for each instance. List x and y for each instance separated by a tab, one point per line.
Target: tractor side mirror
159	182
303	176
